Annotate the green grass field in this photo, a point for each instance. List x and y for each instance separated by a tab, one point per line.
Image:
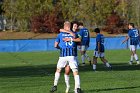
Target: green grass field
33	72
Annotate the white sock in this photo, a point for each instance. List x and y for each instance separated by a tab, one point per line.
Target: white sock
57	76
67	80
94	67
87	57
83	58
77	60
136	57
107	64
77	81
131	58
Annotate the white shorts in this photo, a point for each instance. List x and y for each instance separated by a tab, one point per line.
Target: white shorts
83	47
133	47
96	54
68	60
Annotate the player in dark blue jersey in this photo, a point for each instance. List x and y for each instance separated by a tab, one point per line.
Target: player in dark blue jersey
85	40
99	50
134	37
68	50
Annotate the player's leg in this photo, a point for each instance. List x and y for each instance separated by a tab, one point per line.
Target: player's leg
95	56
82	55
134	53
86	55
66	76
77	60
105	62
61	64
74	66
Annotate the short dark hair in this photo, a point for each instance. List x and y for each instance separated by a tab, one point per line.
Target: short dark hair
131	24
80	24
97	30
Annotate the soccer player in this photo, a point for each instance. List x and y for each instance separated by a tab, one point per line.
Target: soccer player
85	39
99	50
74	29
134	37
68	50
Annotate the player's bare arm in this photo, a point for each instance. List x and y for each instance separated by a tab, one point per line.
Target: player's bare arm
127	37
72	39
56	45
67	31
99	47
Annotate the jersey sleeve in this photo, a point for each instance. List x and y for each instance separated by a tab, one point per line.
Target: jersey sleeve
129	33
80	33
57	38
98	39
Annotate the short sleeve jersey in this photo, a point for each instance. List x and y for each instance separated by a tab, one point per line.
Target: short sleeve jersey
84	35
66	48
100	40
134	36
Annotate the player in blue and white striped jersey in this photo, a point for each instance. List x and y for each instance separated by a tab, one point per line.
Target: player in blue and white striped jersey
68	50
134	36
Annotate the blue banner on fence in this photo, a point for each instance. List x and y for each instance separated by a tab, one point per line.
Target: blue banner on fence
48	44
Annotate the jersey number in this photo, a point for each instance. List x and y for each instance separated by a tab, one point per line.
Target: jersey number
136	33
70	42
86	34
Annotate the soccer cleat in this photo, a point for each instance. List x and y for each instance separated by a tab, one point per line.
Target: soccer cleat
79	90
130	63
83	64
90	63
53	89
110	68
138	63
67	90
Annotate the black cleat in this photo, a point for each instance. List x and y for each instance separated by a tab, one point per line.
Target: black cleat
79	90
90	63
53	89
110	68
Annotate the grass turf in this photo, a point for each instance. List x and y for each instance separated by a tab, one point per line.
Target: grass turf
33	72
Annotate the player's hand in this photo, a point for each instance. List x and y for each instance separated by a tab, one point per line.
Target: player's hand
57	47
123	42
66	39
99	52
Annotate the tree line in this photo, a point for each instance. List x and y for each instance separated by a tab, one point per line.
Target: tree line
48	15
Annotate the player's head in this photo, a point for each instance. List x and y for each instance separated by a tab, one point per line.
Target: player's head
81	25
131	25
97	30
67	25
74	26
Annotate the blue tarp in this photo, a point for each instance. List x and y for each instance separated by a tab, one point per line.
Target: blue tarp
48	44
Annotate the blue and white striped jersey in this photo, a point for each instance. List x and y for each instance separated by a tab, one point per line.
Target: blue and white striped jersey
66	48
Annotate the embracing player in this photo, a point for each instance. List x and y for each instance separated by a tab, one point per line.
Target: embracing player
68	50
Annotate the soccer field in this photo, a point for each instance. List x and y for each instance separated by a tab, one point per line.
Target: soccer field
33	72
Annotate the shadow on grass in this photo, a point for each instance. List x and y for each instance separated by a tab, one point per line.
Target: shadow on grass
49	70
40	70
115	67
111	89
